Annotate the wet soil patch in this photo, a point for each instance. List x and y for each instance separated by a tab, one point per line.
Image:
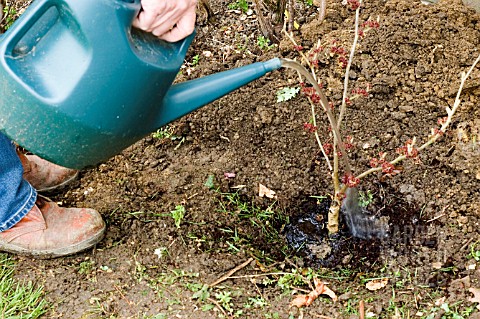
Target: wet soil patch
308	236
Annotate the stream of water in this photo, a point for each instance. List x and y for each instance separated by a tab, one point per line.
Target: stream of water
362	223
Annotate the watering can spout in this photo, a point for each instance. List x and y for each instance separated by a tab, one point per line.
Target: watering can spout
186	97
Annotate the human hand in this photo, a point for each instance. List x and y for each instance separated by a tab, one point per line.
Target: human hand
170	20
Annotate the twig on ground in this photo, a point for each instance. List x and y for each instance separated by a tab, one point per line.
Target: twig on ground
435	218
466	244
361	309
231	272
218	306
260	275
130	303
439	216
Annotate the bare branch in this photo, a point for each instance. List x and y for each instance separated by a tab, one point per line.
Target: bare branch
343	107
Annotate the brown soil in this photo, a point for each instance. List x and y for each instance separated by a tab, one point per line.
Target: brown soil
413	62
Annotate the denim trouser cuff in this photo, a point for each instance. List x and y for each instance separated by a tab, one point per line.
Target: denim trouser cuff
17	196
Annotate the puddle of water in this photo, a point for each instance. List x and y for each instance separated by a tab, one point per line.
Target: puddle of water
308	236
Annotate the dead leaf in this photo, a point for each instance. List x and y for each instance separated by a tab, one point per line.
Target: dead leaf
327	291
437	265
264	191
376	284
476	296
307	300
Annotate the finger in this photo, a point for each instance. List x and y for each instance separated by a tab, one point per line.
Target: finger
166	23
170	18
152	10
145	20
184	28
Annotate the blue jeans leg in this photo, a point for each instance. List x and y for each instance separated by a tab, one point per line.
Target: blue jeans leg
17	196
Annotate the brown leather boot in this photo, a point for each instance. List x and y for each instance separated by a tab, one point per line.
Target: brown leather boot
50	231
45	176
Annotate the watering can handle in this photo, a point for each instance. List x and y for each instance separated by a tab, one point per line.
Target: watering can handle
23	24
43	14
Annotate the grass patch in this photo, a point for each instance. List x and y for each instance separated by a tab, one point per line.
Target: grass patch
19	299
255	222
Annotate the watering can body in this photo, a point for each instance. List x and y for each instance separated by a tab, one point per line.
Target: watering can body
78	84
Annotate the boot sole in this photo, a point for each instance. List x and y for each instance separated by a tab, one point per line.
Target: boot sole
54	253
59	186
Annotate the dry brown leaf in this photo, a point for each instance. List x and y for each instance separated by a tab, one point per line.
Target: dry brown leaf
307	300
377	284
476	296
327	291
301	300
264	191
437	265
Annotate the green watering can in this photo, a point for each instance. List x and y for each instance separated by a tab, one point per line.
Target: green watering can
78	84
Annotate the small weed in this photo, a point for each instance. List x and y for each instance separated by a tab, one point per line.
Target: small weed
207	307
365	198
161	252
9	14
286	94
210	182
166	132
239	5
176	275
197	239
351	307
256	302
235	240
140	272
265	222
201	292
264	43
86	267
225	300
178	214
288	281
242	42
474	253
450	312
195	60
